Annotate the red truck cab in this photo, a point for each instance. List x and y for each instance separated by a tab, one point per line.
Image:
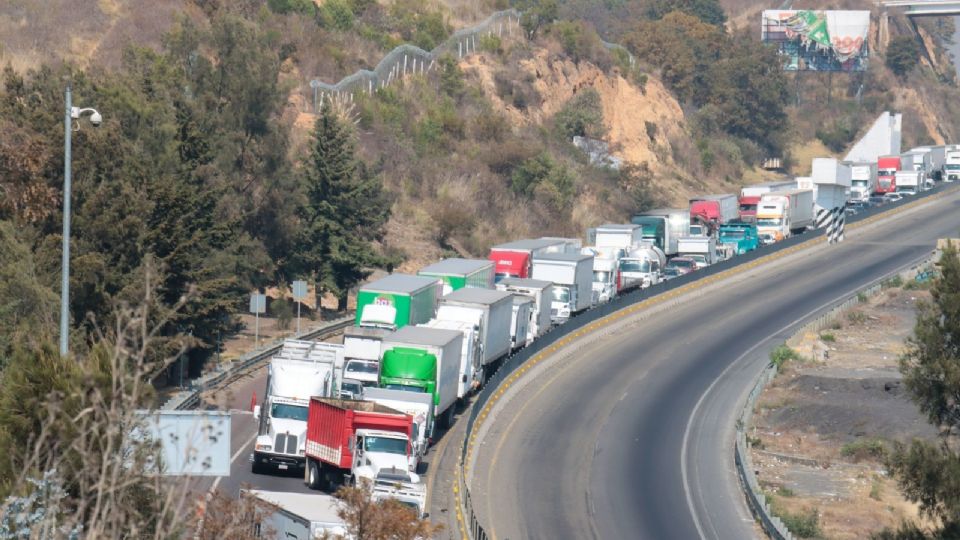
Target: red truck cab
515	264
748	207
887	167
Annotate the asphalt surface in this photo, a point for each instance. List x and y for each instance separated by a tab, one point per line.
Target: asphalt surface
630	435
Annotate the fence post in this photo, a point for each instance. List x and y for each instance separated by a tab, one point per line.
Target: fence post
459	50
404	65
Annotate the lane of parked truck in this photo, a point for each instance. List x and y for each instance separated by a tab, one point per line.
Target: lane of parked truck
368	410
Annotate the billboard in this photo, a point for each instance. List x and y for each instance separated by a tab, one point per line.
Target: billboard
818	40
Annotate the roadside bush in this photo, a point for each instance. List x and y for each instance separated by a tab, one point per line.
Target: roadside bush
838	135
581	115
581	43
488	125
828	338
783	354
334	14
491	44
864	449
805	525
291	6
283	311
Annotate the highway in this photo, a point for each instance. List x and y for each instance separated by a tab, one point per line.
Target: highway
628	432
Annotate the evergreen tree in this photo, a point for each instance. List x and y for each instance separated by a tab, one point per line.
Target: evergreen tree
930	473
902	55
345	210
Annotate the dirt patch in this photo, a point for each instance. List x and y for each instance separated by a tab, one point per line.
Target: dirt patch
822	426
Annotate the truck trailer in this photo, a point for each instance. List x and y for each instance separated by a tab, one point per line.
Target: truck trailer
614	235
541	292
397	300
910	182
951	169
515	259
297	515
488	311
520	321
427	360
750	197
458	273
782	214
572	277
714	210
663	227
702	249
934	164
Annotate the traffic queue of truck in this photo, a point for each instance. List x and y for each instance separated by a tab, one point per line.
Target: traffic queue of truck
917	169
368	409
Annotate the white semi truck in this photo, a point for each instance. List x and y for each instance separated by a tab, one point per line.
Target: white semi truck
781	214
951	169
702	249
863	180
572	277
300	370
361	352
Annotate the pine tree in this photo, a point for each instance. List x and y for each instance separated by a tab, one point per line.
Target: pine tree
930	473
345	210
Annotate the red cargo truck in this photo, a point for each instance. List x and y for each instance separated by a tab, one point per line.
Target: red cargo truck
515	259
887	167
348	439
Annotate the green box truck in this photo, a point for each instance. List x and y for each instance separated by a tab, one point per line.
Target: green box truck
459	273
397	300
418	359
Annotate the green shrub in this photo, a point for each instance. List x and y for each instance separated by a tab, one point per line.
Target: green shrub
903	55
581	115
783	354
291	6
283	311
894	282
581	42
864	449
802	525
543	176
838	134
857	317
491	43
875	490
335	15
829	338
784	491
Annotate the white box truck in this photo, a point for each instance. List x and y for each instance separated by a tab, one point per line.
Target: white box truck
935	162
471	369
305	516
520	321
572	277
702	249
613	235
300	370
489	311
427	360
909	182
951	169
361	352
542	294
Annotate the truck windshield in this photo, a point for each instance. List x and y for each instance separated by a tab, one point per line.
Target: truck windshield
385	445
561	294
748	208
601	277
355	366
293	412
769	222
405	387
886	172
861	183
952	166
634	266
732	233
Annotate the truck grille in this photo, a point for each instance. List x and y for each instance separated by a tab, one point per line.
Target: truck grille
285	444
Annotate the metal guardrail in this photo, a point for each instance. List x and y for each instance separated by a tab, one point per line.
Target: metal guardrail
188	399
469	524
756	499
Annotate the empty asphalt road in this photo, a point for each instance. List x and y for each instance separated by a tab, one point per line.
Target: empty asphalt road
628	432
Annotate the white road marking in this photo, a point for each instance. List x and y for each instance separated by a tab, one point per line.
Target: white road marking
693	414
236	455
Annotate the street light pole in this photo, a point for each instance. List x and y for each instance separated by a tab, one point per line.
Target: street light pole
65	263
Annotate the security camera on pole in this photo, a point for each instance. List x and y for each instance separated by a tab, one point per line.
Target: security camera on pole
71	113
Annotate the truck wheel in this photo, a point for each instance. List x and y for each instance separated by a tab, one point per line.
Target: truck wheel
313	475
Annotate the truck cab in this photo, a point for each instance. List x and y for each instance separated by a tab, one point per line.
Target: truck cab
376	452
364	371
641	267
742	235
378	316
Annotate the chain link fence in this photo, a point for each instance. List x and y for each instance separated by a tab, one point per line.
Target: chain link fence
409	59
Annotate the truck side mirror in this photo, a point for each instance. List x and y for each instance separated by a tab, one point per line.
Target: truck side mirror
256	412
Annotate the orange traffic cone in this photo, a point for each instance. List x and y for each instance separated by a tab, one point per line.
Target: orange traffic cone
253	401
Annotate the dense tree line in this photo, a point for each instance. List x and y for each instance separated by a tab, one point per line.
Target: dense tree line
190	176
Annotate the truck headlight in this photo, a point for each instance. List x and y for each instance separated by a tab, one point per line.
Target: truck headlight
265	447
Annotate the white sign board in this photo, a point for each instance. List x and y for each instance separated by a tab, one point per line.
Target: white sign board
258	303
192	443
299	289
